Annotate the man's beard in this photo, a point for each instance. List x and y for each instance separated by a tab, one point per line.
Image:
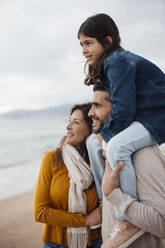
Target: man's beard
101	125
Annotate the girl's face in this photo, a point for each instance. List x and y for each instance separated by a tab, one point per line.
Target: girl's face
77	129
91	49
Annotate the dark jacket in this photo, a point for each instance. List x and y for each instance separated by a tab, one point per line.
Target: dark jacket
137	91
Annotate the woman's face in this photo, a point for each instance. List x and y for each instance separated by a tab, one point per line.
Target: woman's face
77	129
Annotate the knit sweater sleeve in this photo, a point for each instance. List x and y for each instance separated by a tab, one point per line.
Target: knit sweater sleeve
44	211
142	215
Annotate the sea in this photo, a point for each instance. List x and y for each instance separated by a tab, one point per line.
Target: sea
23	143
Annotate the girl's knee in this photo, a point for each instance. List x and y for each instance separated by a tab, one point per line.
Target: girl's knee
115	151
113	146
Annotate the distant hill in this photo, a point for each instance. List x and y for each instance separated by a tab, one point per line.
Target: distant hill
47	112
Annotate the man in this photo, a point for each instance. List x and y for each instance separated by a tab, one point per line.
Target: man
104	108
149	165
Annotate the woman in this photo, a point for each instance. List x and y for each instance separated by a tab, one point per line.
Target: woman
65	197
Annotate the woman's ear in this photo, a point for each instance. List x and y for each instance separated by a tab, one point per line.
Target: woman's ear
109	39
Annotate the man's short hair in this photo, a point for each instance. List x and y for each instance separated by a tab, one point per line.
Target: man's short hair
99	86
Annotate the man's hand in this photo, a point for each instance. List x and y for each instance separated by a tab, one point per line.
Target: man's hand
94	218
110	178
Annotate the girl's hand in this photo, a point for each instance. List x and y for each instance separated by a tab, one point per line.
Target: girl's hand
94	218
110	178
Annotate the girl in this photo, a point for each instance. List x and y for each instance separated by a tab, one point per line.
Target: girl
65	197
137	91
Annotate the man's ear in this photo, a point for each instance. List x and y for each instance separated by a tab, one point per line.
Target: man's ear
109	38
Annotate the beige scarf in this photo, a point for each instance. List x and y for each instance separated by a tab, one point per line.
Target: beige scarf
80	179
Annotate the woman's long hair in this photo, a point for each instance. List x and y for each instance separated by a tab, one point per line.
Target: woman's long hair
100	26
84	108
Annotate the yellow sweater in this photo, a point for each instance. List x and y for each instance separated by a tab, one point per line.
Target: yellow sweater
51	202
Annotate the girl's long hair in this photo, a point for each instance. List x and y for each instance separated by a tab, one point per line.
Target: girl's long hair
84	108
100	26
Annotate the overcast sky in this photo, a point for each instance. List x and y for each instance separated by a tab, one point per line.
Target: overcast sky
41	64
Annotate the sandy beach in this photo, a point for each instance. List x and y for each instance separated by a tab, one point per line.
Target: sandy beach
17	226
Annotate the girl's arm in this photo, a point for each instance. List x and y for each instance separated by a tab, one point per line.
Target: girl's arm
120	76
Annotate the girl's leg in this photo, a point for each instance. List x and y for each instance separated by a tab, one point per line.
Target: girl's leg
121	147
97	161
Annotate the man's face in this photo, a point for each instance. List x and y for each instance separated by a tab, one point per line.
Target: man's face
100	110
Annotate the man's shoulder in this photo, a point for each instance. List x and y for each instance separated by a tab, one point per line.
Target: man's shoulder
149	155
149	165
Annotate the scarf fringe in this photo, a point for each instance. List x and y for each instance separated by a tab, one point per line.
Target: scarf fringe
77	240
80	178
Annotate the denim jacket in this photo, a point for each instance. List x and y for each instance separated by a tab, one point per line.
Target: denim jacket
137	91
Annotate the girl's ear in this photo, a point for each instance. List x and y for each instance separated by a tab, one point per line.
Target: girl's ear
109	39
